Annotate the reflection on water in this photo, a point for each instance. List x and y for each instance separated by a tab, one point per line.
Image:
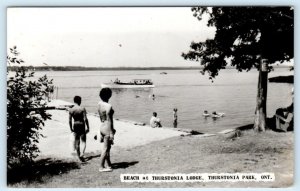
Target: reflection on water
231	92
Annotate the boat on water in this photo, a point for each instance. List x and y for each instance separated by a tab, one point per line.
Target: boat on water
135	83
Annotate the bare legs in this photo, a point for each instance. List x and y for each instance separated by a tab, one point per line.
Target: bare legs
83	141
78	139
105	155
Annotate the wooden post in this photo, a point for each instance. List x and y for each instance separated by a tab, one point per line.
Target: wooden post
261	99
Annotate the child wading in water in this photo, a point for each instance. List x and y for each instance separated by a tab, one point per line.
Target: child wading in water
175	117
107	130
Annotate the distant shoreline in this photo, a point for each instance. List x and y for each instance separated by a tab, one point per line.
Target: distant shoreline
81	68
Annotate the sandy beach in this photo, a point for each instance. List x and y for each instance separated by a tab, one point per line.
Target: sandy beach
144	150
57	141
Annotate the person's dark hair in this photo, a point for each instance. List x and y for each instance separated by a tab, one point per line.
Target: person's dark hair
105	94
77	99
154	114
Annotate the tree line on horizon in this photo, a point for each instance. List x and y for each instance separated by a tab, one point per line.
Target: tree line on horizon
83	68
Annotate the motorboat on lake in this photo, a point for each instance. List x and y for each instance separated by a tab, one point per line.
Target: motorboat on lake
136	83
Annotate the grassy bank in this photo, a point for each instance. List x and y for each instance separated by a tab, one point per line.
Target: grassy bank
251	152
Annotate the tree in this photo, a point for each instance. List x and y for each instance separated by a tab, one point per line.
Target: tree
246	38
25	97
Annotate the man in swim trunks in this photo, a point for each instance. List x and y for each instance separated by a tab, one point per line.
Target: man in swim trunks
107	130
78	113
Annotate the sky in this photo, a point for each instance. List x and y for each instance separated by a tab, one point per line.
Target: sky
105	36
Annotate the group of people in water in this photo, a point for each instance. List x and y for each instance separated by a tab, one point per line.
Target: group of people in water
213	114
156	122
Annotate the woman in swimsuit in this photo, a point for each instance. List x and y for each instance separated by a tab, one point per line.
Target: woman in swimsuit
107	130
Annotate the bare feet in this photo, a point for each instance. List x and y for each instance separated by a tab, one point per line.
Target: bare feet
81	159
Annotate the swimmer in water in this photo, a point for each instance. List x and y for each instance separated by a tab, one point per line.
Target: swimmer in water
205	113
215	114
152	96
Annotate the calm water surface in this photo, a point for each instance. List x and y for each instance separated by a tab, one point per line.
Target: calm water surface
231	92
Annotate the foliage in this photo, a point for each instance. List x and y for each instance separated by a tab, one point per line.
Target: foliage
243	36
25	116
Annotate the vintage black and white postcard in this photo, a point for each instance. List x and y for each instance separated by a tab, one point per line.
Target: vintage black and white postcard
139	97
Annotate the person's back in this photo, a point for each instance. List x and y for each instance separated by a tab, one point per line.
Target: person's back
155	121
78	114
105	112
107	130
152	121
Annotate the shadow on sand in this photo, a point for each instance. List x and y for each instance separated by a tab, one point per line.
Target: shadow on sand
90	157
114	165
40	171
123	164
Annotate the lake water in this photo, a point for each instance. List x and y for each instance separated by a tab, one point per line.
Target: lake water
231	92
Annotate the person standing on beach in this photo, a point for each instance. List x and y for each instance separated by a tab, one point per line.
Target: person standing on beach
78	114
155	121
107	130
175	117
